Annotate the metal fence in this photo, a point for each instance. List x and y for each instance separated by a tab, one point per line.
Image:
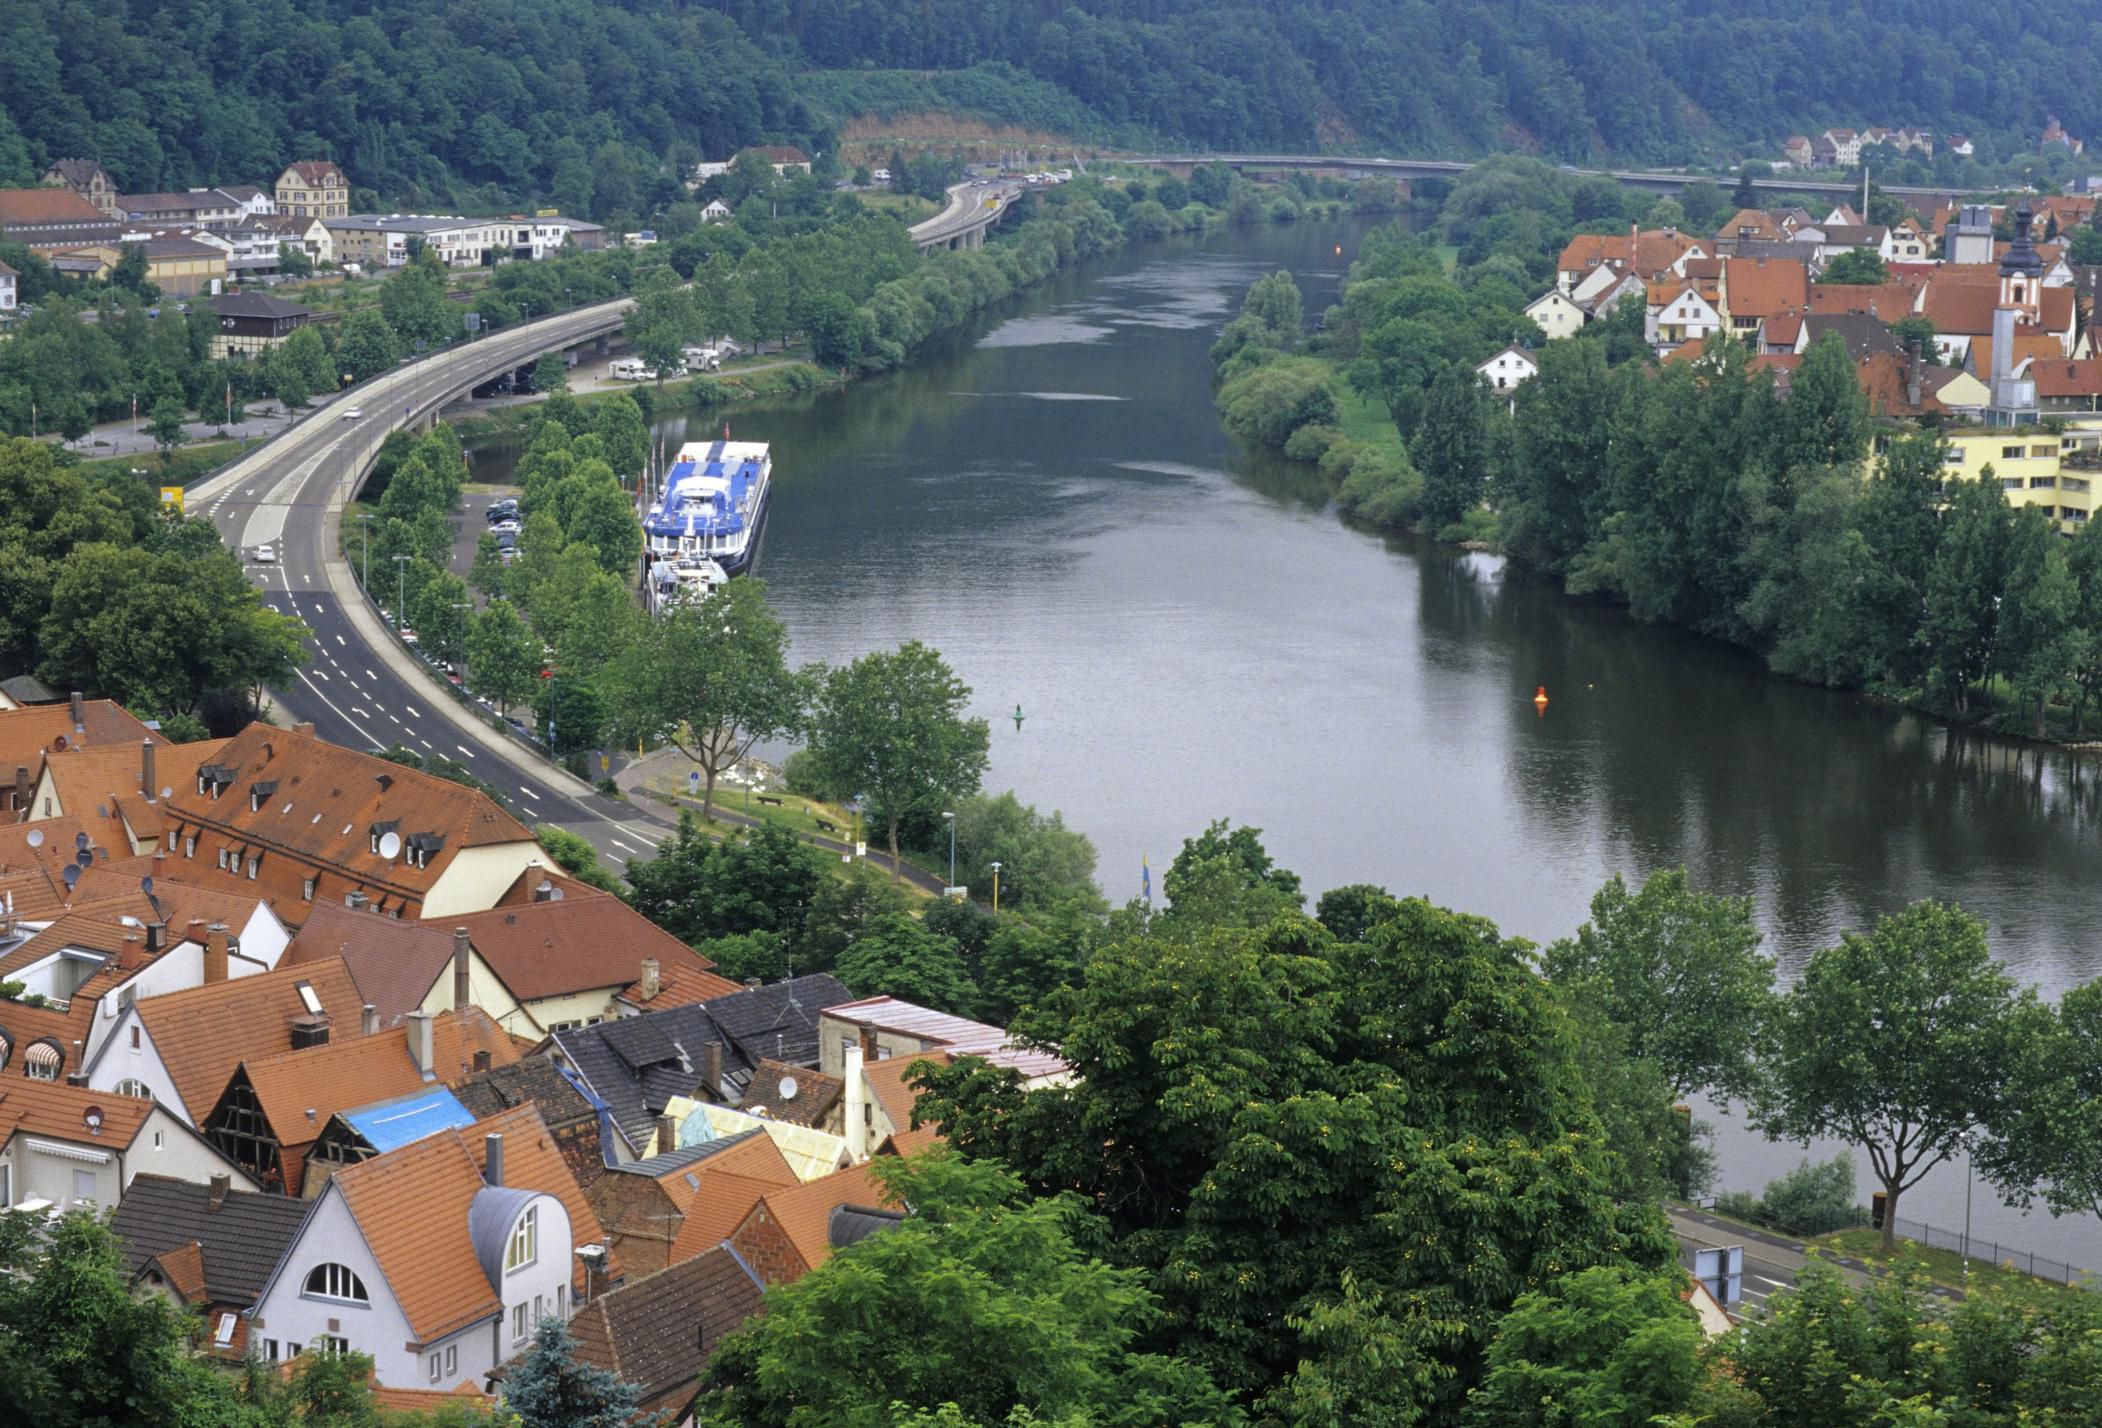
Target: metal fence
1992	1252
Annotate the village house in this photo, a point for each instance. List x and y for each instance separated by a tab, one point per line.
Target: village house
643	1205
1556	314
404	967
39	217
659	1333
795	1228
207	207
1846	147
251	324
1508	370
86	178
437	1266
207	1247
67	1146
1678	313
1756	292
180	267
10	283
1796	149
313	188
1653	255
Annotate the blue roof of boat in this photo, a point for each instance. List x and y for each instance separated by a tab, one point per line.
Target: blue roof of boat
386	1125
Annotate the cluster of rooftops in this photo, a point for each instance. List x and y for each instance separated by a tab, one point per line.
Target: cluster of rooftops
358	1067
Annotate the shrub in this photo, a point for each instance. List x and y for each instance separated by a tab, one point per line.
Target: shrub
1812	1199
1311	443
1382	489
1268	404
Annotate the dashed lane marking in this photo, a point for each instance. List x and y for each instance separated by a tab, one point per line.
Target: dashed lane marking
526	789
341	641
371	676
465	750
414	713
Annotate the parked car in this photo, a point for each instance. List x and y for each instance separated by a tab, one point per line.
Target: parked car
508	526
266	555
408	636
353	414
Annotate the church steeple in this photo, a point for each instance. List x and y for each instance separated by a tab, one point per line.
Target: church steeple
2022	271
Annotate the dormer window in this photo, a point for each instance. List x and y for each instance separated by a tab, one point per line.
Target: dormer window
258	792
42	1060
377	831
189	845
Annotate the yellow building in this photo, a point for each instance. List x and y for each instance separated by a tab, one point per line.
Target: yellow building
2030	463
179	267
313	188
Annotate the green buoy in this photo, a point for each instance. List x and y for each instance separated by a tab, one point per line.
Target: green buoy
1018	717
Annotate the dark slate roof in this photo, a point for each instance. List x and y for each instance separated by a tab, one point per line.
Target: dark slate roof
534	1081
659	1332
1863	335
680	1159
851	1224
242	1240
257	305
1771	248
779	1021
27	688
636	1064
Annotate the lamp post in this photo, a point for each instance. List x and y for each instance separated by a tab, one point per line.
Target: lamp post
1970	1176
401	584
950	819
365	530
996	889
457	649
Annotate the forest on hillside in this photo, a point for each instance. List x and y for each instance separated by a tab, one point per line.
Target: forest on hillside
593	105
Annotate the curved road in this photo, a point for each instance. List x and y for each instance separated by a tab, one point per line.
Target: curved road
362	689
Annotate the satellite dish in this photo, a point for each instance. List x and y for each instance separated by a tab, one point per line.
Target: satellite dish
71	876
390	845
80	840
788	1088
85	857
167	792
146	886
36	837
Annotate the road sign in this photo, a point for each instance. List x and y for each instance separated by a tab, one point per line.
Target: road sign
171	497
1722	1272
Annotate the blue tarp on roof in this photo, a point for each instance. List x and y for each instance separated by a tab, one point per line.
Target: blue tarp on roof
386	1125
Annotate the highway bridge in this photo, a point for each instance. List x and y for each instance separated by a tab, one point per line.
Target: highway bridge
1657	181
363	688
974	207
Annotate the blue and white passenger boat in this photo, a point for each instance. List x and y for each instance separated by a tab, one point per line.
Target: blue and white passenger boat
713	506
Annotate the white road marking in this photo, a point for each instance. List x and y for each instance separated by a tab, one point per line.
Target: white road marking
322	672
371	676
363	714
528	792
618	843
427	744
414	713
341	641
465	750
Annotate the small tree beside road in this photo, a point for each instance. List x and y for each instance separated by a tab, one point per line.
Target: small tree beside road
1899	1041
503	656
892	728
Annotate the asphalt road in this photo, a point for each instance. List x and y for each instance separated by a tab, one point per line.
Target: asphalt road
362	689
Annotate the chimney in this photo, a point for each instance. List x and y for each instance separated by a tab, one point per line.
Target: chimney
153	936
217	1199
2003	347
156	865
481	1061
79	720
1913	363
651	984
22	787
214	953
128	953
355	900
462	997
303	728
544	891
146	783
420	1049
868	1043
369	1020
309	1032
493	1159
667	1135
856	1126
712	1067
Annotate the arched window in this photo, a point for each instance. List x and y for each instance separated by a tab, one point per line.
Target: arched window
133	1088
336	1281
7	1048
525	1241
41	1061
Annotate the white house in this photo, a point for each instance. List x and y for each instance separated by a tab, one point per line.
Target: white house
1508	370
437	1269
1677	318
64	1146
8	286
1556	314
716	212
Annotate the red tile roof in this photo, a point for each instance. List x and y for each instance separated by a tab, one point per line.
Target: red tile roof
1765	287
1889	302
47	205
27	734
533	1161
202	1034
553	949
1966	309
395	962
804	1212
411	1206
2064	377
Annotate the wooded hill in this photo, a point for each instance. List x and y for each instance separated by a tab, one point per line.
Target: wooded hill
583	103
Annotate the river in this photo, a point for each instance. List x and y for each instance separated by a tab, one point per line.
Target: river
1192	632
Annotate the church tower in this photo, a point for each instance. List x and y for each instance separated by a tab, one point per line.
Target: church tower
2022	271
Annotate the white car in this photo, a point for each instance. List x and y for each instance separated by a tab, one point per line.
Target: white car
354	414
266	555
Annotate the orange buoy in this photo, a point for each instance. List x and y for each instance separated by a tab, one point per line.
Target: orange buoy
1339	250
1540	697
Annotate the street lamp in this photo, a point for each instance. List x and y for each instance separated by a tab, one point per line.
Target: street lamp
457	648
1970	1176
996	888
365	530
401	584
950	819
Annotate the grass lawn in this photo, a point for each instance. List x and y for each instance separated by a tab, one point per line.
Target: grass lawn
909	207
191	464
1364	419
1944	1267
799	815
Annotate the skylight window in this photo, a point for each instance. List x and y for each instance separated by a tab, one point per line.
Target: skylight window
310	998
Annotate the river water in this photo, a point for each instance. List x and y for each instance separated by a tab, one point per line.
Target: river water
1192	632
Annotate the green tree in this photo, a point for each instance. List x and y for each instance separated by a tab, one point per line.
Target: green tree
1681	970
599	514
165	426
487	572
1606	1348
762	879
892	728
661	323
441	610
1825	421
1290	1135
572	715
1450	447
1042	862
82	1350
1961	614
712	679
1856	267
2085	247
1896	1042
1225	877
369	345
503	656
978	1307
414	304
551	373
843	909
2037	643
619	425
1744	195
576	857
898	957
549	1388
292	260
1266	404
